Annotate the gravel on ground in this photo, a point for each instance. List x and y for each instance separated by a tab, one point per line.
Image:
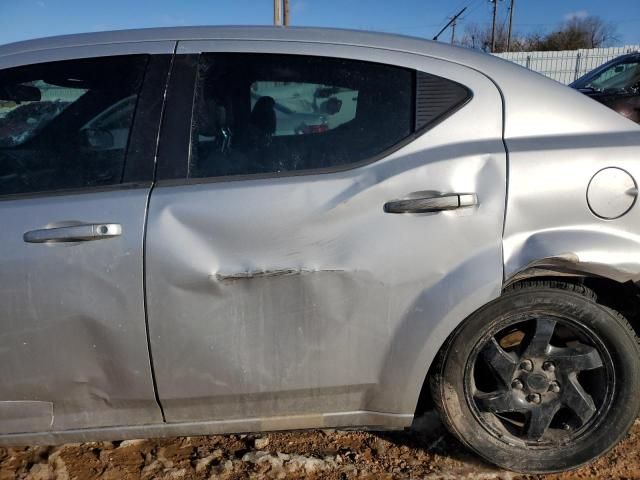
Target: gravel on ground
430	453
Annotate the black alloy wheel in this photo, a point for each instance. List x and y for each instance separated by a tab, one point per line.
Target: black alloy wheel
543	379
549	381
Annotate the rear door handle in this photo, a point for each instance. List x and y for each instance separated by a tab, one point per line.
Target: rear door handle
431	203
74	233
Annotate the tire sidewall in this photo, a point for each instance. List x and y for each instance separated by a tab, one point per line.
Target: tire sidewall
603	322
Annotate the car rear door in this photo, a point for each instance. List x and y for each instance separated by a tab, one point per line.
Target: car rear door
315	270
77	145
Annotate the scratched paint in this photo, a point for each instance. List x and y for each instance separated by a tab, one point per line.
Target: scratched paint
300	295
256	274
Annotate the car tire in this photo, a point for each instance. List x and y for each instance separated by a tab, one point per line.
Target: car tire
543	379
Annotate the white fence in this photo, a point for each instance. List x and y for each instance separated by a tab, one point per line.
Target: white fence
567	65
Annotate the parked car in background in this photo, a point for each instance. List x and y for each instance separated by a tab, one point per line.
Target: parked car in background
615	84
241	229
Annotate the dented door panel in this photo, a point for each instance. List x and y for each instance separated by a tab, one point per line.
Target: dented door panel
297	295
73	341
73	350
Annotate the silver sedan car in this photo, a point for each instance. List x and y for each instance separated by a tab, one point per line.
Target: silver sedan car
460	233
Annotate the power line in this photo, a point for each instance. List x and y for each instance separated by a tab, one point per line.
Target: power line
469	9
478	4
472	9
451	22
455	9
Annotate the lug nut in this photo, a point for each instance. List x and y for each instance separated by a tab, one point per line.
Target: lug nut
548	367
517	384
554	387
534	398
526	365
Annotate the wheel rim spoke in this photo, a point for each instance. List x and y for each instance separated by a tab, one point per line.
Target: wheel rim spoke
579	401
500	361
497	402
540	419
577	359
538	343
532	388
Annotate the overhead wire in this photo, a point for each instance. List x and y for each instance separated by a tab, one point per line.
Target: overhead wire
457	9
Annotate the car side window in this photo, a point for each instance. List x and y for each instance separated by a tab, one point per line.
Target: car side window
280	114
66	124
619	77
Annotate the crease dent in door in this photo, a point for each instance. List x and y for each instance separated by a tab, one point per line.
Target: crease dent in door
290	302
92	377
274	272
297	294
73	318
292	295
240	306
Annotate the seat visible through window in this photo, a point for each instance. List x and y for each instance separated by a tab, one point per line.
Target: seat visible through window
295	113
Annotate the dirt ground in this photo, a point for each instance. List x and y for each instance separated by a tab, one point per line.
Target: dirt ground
319	454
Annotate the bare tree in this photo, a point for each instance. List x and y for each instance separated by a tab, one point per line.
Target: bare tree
572	34
580	32
479	37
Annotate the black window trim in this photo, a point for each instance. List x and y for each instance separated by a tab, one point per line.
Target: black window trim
63	192
174	148
145	128
141	146
173	167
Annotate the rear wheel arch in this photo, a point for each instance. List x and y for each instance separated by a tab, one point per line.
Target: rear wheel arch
623	297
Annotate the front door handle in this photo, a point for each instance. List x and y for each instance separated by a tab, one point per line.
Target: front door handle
74	233
431	203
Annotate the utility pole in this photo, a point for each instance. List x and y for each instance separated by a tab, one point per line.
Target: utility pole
493	25
513	4
286	12
453	21
277	12
281	12
453	31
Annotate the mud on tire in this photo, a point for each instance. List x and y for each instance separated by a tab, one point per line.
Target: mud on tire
543	379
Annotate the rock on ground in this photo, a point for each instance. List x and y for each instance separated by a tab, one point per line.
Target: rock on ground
316	454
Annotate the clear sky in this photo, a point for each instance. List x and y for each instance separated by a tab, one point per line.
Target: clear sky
23	19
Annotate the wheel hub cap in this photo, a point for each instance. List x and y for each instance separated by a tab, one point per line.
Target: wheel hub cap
537	382
538	379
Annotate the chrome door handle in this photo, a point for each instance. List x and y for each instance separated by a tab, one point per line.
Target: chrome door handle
74	233
431	203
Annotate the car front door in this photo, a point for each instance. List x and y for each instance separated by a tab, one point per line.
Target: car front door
320	223
73	196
